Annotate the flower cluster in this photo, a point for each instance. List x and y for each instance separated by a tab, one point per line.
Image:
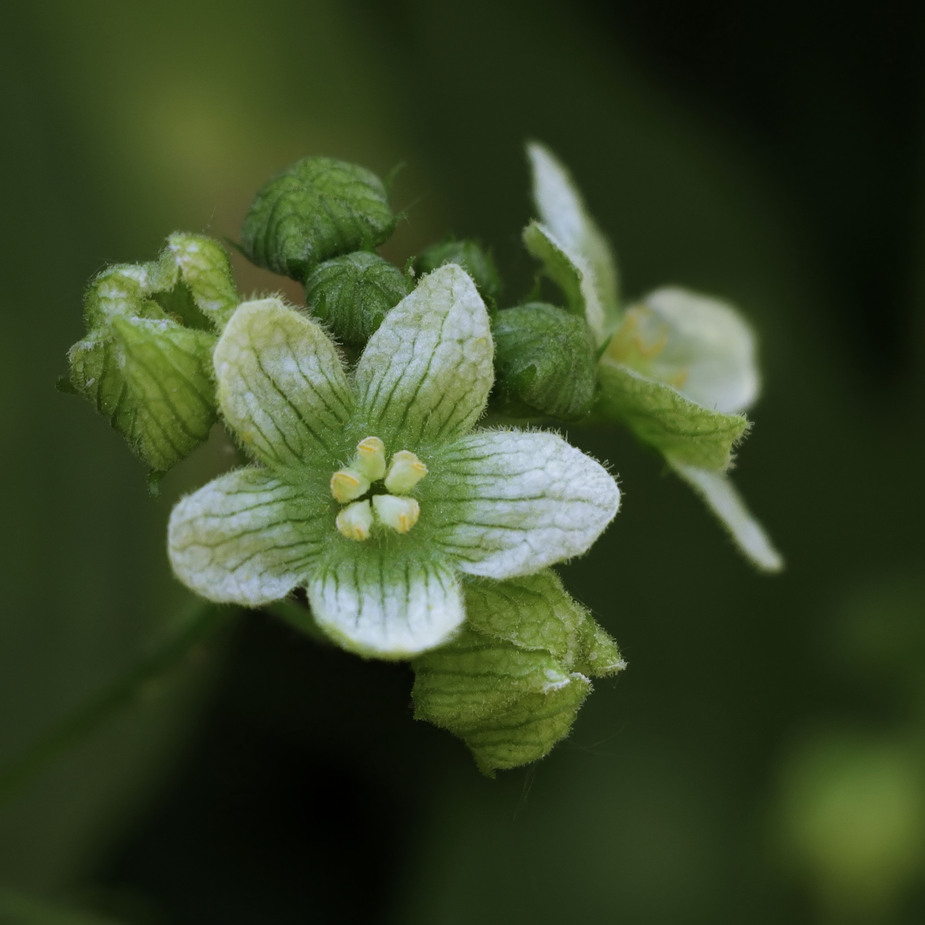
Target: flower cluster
374	484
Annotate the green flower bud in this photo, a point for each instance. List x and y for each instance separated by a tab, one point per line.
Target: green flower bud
353	293
314	210
146	363
476	261
512	681
544	358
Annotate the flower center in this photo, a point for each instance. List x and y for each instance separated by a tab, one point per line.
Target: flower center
640	343
359	487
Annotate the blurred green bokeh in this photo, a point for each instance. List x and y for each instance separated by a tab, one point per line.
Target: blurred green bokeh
763	758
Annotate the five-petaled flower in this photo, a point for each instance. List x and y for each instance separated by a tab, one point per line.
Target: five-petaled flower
372	490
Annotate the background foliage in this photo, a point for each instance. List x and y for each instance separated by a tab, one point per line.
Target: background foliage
762	758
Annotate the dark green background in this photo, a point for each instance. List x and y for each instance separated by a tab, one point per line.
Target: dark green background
763	758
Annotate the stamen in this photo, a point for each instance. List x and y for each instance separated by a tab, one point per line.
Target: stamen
348	484
401	514
405	471
370	458
355	521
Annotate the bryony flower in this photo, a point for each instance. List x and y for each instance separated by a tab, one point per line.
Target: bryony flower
680	370
677	368
371	490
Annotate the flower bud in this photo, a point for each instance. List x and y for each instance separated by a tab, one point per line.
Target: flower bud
511	683
352	293
146	362
314	210
544	358
476	261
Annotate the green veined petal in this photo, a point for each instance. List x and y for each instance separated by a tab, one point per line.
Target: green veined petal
377	602
426	373
247	537
281	386
516	502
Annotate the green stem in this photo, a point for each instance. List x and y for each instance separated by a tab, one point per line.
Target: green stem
199	624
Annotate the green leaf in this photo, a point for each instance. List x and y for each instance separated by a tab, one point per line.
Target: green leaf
544	357
661	416
153	380
314	210
511	683
353	293
472	257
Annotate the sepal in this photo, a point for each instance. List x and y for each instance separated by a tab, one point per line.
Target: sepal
544	358
316	209
353	293
662	417
511	683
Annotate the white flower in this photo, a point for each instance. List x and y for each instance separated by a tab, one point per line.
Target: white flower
677	368
372	491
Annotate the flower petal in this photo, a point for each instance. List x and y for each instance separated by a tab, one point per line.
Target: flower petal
379	603
722	498
561	209
703	344
516	502
247	537
281	385
426	373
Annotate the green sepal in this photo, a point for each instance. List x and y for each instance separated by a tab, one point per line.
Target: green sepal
352	293
146	363
472	257
544	357
511	683
661	416
152	379
316	209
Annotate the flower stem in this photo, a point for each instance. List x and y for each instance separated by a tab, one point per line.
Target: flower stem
201	622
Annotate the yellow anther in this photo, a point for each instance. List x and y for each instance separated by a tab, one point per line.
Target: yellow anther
370	458
405	471
401	514
348	484
355	521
